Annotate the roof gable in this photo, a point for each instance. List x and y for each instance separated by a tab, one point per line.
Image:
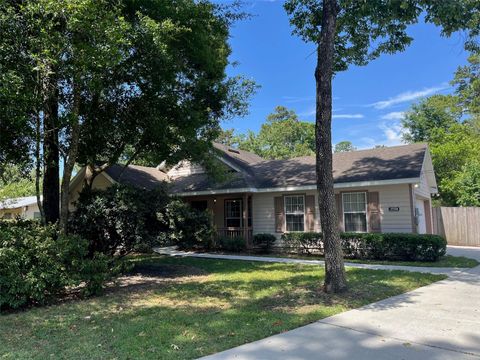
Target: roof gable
392	163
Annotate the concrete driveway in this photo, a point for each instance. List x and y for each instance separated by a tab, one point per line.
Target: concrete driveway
439	321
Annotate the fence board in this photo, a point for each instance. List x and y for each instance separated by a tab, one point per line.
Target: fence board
459	225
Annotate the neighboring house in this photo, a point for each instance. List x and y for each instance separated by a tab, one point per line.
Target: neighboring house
24	207
377	190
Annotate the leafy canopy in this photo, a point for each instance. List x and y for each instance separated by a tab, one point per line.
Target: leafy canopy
433	113
282	136
149	74
366	29
450	124
344	146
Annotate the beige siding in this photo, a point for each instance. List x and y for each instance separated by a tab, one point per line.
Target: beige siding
264	214
423	189
30	211
184	168
390	196
26	212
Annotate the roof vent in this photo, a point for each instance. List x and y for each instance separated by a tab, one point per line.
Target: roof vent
234	150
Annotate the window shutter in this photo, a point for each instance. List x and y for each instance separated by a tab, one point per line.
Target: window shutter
374	216
279	214
310	212
339	208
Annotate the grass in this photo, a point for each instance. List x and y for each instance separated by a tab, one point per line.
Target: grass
444	261
197	307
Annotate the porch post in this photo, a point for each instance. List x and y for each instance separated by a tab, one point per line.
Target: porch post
245	221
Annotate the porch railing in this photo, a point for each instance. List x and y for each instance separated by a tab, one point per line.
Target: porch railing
232	232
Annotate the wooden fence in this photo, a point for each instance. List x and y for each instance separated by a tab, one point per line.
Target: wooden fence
459	225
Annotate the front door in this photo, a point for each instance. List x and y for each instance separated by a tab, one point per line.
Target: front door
420	217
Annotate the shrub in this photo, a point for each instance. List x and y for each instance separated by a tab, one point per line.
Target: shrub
393	246
264	242
119	219
37	264
189	228
362	245
231	243
413	247
303	242
386	246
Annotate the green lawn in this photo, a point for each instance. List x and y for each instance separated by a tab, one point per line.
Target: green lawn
444	261
196	307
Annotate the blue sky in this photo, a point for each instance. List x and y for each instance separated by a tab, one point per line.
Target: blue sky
368	100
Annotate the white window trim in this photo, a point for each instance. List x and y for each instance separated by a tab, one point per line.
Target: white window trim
229	217
356	212
285	211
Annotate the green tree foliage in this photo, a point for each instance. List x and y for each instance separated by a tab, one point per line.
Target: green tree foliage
344	146
283	136
227	137
431	114
455	154
465	185
14	183
114	80
467	81
450	124
356	32
117	220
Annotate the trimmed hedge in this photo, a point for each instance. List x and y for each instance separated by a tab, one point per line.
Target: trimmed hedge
303	242
376	246
264	242
229	243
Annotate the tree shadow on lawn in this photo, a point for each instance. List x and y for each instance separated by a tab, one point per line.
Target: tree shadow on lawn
236	302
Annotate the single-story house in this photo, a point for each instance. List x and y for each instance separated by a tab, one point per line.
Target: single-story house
24	207
378	190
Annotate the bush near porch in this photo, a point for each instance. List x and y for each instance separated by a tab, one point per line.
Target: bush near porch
373	246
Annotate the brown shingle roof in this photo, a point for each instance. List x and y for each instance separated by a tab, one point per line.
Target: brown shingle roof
139	176
390	163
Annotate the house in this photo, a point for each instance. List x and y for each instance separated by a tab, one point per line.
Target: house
377	190
24	207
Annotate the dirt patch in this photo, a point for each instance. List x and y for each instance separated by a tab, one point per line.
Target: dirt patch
149	276
165	271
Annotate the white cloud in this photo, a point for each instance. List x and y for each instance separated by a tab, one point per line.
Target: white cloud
395	115
309	112
297	99
408	96
393	134
347	116
312	111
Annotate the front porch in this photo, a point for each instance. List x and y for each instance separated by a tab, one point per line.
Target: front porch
232	214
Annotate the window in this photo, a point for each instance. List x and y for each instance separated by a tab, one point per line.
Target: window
7	215
355	211
233	213
295	213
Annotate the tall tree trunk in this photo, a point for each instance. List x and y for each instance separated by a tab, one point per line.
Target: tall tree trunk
335	279
38	164
51	173
70	159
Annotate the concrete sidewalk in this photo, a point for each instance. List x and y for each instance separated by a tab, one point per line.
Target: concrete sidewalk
436	322
171	251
